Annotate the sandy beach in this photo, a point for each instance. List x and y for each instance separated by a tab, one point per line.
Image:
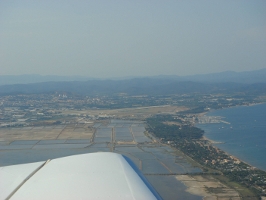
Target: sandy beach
211	141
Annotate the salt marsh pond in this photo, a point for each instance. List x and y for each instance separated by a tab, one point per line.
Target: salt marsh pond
159	163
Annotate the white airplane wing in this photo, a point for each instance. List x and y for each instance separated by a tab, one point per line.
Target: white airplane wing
102	175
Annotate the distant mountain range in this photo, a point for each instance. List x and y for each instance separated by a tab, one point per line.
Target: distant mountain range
253	82
255	76
138	86
36	78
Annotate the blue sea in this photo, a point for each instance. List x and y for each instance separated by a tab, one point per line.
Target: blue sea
244	137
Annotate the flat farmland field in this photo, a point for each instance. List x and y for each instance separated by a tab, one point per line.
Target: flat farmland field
47	132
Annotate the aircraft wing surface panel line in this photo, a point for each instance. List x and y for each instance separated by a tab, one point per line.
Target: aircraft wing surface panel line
13	177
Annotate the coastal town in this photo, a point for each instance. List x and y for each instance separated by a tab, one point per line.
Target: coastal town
25	109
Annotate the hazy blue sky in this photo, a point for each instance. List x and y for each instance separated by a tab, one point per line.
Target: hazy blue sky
115	38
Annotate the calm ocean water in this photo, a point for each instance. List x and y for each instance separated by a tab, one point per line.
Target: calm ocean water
245	136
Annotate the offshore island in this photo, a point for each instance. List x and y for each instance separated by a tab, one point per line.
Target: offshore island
156	130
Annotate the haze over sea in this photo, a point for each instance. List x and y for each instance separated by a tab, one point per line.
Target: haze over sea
244	137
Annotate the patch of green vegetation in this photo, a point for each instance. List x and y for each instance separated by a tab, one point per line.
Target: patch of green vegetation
172	132
244	192
215	190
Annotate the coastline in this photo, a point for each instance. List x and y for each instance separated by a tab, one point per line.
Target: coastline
251	104
236	158
211	141
224	147
217	163
203	185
